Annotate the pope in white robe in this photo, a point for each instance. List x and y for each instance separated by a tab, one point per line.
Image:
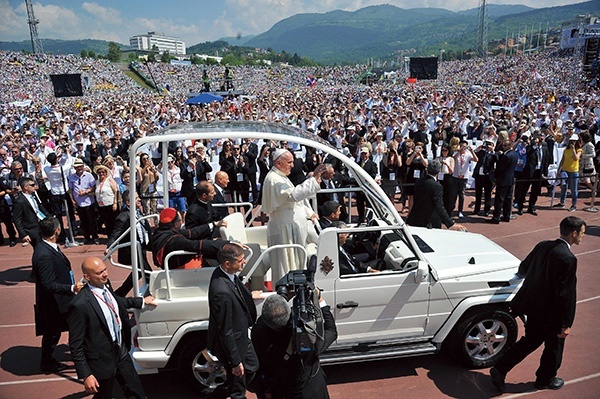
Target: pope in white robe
288	212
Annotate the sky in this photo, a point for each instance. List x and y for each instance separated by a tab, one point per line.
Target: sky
193	21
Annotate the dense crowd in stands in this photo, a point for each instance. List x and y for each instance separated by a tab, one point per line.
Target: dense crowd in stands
525	99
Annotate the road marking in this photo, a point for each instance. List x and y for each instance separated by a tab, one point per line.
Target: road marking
17	325
576	380
588	299
39	381
588	252
534	231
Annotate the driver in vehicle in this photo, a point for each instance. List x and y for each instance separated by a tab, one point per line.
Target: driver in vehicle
352	264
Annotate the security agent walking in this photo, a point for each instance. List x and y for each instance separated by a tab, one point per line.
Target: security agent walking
232	313
547	297
428	208
290	375
100	335
54	289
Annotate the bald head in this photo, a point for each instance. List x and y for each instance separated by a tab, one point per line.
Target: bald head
95	271
222	179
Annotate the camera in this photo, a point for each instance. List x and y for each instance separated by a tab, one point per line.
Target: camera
307	319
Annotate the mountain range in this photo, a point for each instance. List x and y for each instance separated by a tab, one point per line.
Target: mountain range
384	32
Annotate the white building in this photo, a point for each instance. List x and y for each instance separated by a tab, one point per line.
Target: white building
164	43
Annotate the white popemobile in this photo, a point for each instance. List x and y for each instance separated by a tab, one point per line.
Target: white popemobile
437	288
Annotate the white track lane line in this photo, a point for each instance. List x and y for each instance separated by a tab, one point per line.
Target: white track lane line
575	381
39	381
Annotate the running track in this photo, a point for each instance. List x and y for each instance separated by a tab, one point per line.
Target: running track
428	377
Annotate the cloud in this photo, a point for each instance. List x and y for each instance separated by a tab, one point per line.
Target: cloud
104	14
14	24
57	22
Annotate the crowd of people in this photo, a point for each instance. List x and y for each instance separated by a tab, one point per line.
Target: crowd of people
397	128
495	125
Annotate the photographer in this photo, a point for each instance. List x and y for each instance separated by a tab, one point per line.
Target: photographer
289	373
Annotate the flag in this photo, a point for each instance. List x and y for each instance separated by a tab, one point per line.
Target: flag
536	75
310	81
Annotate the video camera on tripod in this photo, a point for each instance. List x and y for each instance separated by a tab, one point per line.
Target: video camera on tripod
307	318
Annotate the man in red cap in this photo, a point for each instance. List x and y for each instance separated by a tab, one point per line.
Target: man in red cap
169	237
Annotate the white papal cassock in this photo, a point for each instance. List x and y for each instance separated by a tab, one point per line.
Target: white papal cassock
288	216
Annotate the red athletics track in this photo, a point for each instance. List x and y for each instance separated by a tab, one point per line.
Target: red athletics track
422	377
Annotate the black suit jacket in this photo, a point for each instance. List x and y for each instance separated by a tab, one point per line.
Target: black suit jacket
200	215
90	341
122	224
549	289
428	209
203	170
349	264
533	157
187	177
25	218
486	161
371	168
220	211
505	168
52	274
232	312
263	168
251	154
230	167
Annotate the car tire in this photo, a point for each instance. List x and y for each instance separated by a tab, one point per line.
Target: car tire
482	337
196	370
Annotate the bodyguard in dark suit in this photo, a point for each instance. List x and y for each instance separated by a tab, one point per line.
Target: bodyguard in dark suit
484	177
5	214
232	313
428	209
143	236
547	297
505	178
200	212
100	335
237	167
350	261
331	179
250	151
329	212
535	167
221	183
54	289
371	168
28	211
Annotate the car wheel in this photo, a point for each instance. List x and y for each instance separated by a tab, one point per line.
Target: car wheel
482	337
199	369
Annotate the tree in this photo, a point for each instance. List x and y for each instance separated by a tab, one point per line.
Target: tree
84	53
91	54
165	57
132	56
114	52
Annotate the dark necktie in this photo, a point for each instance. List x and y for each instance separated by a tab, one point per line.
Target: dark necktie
112	310
240	289
349	259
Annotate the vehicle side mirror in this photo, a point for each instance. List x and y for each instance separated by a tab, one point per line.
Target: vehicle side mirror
422	272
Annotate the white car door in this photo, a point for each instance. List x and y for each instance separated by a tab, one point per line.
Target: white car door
380	306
